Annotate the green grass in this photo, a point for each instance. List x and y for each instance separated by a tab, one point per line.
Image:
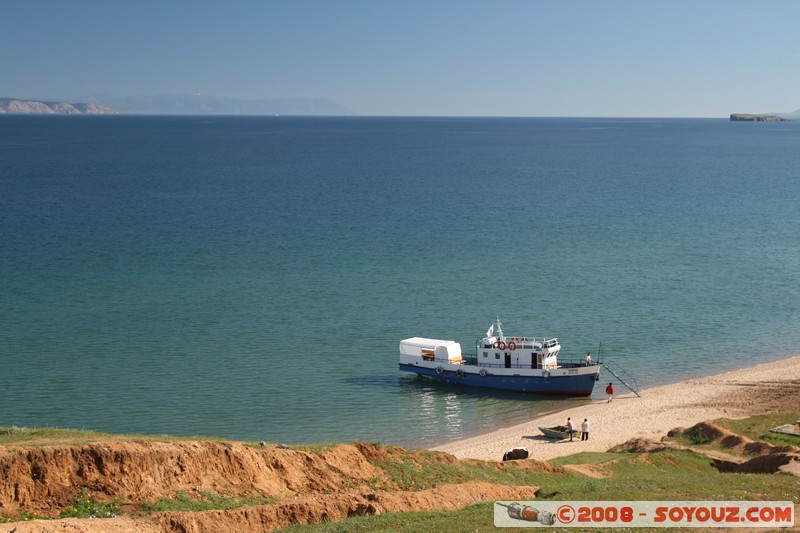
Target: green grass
77	437
313	448
85	507
420	470
660	476
203	501
757	428
22	516
670	475
22	435
410	475
477	518
82	507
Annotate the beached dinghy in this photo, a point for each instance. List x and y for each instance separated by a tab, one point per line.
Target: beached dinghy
788	429
558	432
525	364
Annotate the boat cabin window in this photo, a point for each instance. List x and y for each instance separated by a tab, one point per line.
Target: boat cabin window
486	354
497	355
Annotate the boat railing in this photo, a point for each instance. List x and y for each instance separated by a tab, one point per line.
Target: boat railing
473	360
543	341
464	359
524	342
502	365
572	363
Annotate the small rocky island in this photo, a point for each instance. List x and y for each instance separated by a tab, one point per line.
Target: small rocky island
747	117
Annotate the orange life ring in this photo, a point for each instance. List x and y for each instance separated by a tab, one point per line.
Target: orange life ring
512	345
501	345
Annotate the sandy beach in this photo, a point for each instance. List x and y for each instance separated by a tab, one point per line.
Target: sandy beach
764	388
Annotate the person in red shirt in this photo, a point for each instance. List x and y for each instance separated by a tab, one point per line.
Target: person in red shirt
610	391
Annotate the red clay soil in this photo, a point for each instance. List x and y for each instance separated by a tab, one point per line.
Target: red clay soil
640	445
308	487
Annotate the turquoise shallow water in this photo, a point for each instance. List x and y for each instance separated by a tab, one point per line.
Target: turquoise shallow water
252	277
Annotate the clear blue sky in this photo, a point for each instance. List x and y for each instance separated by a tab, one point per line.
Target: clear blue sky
669	58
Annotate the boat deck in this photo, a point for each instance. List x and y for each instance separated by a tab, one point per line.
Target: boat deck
472	360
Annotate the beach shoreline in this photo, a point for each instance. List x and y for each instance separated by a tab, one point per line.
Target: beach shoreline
762	388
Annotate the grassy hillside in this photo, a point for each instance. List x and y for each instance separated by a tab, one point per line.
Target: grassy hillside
682	468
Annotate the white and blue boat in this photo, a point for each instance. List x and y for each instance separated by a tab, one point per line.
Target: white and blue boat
524	364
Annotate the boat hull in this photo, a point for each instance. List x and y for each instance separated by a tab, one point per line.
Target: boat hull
579	383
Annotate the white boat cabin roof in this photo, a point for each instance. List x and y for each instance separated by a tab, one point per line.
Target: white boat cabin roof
430	348
421	342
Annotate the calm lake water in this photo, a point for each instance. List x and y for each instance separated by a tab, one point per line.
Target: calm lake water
252	277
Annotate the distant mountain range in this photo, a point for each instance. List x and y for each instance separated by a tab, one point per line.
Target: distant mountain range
196	104
193	104
177	104
17	105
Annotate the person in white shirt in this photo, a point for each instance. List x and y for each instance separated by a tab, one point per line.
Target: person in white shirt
585	429
570	428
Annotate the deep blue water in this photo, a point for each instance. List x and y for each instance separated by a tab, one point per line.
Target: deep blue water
252	277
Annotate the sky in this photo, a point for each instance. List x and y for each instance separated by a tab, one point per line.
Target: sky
586	58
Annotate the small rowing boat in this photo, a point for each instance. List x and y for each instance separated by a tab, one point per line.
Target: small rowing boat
558	432
788	429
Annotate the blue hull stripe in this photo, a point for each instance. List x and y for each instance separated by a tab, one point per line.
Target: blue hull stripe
581	385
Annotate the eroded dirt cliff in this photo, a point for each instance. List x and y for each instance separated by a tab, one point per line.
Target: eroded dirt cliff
303	487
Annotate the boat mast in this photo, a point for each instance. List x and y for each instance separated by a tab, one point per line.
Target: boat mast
500	331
